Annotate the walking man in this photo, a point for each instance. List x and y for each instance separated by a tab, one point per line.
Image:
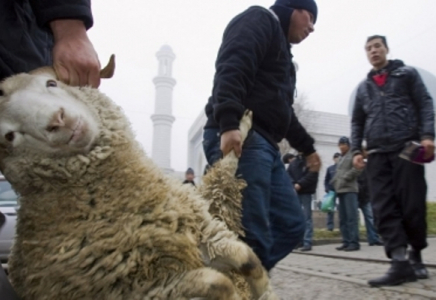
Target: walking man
345	184
329	174
393	107
254	70
305	184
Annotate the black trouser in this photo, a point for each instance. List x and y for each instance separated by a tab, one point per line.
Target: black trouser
398	197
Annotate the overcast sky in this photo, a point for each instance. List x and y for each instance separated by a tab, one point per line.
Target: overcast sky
331	60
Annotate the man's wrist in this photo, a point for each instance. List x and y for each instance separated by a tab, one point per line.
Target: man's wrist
67	27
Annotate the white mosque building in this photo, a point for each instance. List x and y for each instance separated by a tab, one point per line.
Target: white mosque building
326	128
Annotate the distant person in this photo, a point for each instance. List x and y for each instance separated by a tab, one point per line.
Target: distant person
254	70
345	185
304	183
393	107
365	207
189	177
328	186
287	159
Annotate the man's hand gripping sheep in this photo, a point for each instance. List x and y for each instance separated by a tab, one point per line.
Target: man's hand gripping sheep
98	219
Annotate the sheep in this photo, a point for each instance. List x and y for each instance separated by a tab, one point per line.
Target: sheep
98	219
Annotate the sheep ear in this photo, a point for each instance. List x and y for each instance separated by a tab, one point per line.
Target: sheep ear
108	71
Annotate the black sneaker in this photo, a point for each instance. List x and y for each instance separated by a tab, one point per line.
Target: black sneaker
352	248
340	248
399	273
306	248
378	243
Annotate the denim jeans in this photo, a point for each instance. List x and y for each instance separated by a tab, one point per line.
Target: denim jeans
306	203
349	219
371	232
330	220
271	212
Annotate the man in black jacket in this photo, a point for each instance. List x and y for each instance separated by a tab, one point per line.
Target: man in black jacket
254	70
393	107
328	186
305	184
40	33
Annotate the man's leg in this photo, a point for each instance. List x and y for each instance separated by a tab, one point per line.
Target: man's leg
411	192
343	222
371	233
352	220
387	210
306	201
330	220
286	216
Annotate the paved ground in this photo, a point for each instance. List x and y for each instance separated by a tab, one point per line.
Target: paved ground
306	276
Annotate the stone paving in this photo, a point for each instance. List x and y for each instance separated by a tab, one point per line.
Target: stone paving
306	276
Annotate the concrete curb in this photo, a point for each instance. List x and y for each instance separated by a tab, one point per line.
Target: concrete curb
398	289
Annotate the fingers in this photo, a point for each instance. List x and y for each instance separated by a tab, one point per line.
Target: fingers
94	78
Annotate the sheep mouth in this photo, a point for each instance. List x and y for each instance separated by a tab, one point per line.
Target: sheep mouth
77	132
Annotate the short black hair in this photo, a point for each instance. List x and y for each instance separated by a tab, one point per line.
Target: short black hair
287	157
336	155
376	36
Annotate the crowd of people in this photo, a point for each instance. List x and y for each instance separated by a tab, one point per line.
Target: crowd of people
254	70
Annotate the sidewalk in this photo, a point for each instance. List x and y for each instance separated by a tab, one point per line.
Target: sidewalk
340	267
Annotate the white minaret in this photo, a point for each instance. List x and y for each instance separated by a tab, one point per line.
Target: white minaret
162	117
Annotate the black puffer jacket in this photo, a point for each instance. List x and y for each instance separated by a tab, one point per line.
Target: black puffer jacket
300	174
25	38
254	70
389	116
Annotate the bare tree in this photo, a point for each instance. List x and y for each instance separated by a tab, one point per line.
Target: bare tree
304	114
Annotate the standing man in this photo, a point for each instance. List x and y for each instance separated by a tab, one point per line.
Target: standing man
329	174
393	107
42	33
254	70
345	185
189	177
305	184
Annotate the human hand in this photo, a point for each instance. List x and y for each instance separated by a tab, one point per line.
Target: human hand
313	162
74	58
358	162
429	148
231	140
297	187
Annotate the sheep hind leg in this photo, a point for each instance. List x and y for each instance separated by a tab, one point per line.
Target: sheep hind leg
234	254
204	283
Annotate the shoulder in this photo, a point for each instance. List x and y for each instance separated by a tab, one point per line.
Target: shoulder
256	14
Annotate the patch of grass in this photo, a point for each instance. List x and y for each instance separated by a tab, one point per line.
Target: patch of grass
431	217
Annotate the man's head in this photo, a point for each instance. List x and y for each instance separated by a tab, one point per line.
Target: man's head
344	144
189	174
288	158
302	17
336	157
377	49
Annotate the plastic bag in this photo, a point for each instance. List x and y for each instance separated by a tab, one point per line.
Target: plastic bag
328	202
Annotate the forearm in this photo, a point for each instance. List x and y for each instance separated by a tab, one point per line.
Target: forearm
68	29
298	137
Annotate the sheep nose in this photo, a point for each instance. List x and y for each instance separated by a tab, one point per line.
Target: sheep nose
56	121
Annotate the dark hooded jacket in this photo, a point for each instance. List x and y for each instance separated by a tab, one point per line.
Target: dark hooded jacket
25	38
254	70
390	115
299	174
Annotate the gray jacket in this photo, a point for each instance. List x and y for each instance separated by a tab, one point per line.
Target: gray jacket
345	179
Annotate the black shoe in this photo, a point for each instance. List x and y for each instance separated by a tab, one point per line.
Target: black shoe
352	248
417	265
340	248
306	248
399	272
378	243
299	245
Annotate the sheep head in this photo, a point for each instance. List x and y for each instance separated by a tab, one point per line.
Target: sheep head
40	113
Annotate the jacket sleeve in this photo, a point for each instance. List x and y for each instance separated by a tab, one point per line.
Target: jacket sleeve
309	179
327	179
245	43
357	124
424	104
50	10
298	137
351	174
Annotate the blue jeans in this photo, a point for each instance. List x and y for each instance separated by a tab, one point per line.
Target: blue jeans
349	219
330	220
271	212
371	233
306	203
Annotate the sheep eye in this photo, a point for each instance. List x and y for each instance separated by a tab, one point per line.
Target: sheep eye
9	136
51	83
